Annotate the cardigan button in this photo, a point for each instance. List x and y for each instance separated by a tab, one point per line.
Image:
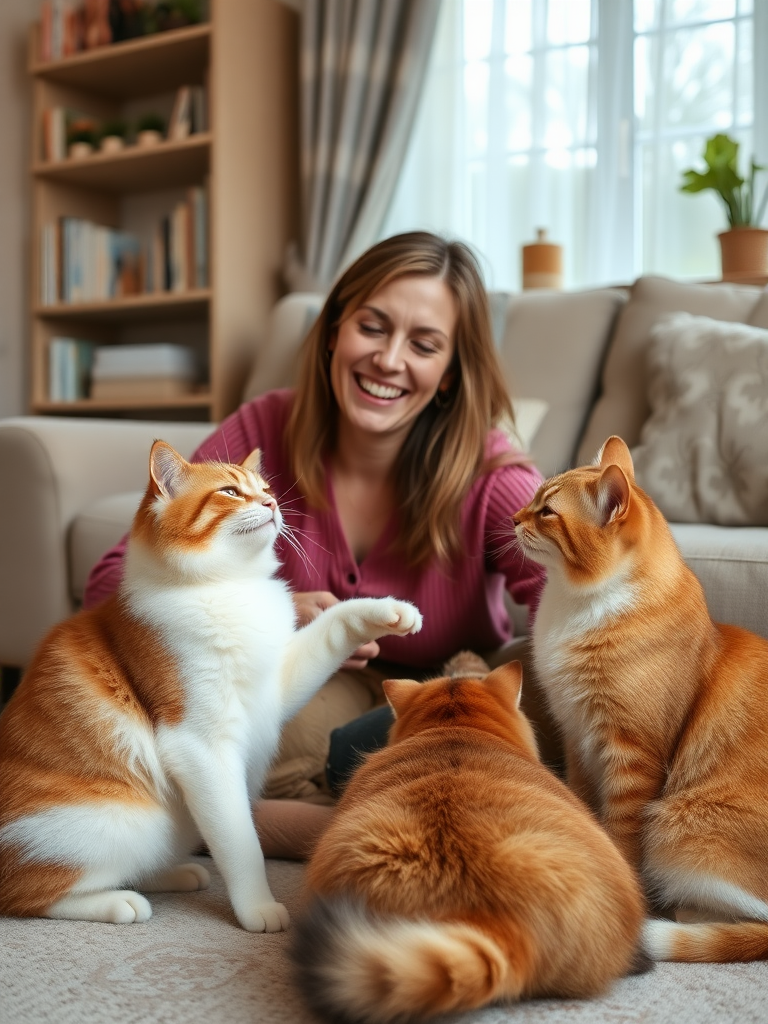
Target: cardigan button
351	578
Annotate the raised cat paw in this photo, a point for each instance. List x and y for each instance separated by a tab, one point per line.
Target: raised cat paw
267	917
382	616
406	618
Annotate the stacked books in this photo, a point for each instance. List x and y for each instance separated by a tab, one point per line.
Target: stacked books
142	372
69	368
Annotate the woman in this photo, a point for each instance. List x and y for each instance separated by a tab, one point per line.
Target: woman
395	479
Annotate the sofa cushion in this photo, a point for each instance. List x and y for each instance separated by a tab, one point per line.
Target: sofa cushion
276	365
552	348
94	531
703	453
622	407
732	566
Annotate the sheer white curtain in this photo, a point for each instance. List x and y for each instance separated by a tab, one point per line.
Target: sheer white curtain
578	116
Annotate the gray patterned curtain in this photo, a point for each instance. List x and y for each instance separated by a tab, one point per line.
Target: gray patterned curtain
362	65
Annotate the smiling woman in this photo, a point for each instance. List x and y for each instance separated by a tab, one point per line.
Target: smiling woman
393	478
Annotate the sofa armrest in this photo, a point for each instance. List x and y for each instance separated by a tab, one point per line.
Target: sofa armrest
51	469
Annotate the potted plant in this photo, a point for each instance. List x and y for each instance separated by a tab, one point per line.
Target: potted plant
113	135
744	247
150	129
81	137
166	15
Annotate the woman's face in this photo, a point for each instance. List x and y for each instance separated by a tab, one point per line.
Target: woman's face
393	353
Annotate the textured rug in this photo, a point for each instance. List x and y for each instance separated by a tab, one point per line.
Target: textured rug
192	964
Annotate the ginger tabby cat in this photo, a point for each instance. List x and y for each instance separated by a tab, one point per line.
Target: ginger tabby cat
662	711
457	870
149	721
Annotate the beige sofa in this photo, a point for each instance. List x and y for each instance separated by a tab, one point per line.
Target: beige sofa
70	485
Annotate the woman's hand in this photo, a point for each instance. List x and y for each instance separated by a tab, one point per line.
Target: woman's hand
308	607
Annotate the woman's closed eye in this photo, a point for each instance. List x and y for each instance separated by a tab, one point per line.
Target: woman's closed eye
424	347
372	329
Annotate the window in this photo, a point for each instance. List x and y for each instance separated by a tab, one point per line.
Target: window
579	116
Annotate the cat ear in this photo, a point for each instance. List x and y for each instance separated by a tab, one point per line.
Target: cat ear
400	692
253	461
167	469
616	453
507	682
613	494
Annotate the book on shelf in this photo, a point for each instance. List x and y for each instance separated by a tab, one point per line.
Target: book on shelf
81	261
153	372
189	114
177	256
86	262
62	29
69	368
69	26
150	360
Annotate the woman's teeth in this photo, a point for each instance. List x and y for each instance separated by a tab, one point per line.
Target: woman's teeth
379	390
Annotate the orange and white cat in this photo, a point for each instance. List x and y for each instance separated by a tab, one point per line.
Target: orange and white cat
662	711
149	722
457	870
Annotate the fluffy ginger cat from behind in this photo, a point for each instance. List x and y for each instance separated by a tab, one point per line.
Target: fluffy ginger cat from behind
457	870
149	721
662	710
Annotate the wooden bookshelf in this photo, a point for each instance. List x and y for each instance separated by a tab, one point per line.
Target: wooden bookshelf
136	168
149	306
136	67
247	57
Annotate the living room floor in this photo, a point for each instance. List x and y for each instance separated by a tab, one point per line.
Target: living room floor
192	964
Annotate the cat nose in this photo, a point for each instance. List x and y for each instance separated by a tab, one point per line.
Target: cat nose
270	503
515	519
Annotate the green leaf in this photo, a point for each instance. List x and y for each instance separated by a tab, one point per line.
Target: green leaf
721	154
721	151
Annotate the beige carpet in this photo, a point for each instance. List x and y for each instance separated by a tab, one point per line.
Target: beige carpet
192	964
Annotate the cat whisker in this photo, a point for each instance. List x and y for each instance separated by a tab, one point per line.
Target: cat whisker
288	533
310	534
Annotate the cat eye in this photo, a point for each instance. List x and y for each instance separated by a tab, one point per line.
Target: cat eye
547	510
231	491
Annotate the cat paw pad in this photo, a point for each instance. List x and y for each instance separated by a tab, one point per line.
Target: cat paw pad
267	917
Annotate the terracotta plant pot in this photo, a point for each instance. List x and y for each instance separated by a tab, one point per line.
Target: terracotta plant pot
744	253
148	137
112	143
78	150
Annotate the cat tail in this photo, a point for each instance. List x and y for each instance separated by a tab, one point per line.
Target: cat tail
715	943
353	966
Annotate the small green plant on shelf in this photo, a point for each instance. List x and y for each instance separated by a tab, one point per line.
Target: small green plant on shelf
721	156
170	14
82	135
151	123
112	135
116	128
150	129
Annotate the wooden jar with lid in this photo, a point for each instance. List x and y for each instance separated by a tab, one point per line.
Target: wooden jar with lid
542	263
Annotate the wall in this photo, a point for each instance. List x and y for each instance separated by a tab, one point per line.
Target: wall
15	107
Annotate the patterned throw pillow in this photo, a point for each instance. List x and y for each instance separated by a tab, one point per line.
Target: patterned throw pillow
703	452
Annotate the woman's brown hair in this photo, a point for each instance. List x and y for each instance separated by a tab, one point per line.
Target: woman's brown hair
445	450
